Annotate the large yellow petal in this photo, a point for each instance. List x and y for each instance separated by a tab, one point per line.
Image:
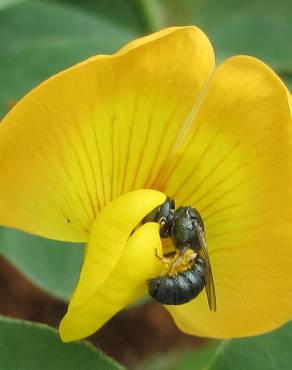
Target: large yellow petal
236	168
97	130
116	267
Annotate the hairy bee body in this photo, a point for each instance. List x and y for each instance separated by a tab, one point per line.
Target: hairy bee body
183	233
185	227
180	288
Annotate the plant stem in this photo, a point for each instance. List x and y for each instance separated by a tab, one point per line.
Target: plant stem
153	14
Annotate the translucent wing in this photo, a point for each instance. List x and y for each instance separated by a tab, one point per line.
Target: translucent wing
209	282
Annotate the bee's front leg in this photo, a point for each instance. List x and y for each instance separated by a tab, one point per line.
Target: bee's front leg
165	260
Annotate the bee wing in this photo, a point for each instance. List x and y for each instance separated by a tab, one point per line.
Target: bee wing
209	282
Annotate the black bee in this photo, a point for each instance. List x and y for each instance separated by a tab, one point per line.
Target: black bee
186	229
179	288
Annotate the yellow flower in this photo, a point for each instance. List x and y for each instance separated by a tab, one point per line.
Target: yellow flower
157	116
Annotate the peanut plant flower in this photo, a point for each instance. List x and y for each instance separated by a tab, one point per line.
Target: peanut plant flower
89	152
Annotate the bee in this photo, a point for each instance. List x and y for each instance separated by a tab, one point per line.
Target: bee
181	287
185	227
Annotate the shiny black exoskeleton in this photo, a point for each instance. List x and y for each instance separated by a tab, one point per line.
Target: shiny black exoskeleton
186	229
180	288
183	233
164	215
178	224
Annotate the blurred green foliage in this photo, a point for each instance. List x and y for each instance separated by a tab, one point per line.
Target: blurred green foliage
265	352
39	39
30	346
261	28
53	266
125	13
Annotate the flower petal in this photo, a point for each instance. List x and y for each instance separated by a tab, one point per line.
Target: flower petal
97	130
116	268
108	237
235	168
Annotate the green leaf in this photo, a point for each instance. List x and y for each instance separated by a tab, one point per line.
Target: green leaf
287	78
256	27
38	39
123	12
8	3
265	352
51	265
183	360
30	346
140	15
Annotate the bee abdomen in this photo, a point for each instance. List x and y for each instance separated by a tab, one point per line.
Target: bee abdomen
180	288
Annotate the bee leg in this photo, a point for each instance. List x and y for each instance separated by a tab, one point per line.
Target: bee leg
165	260
162	225
161	221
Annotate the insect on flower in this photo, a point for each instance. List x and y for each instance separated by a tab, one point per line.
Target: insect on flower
102	143
186	228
